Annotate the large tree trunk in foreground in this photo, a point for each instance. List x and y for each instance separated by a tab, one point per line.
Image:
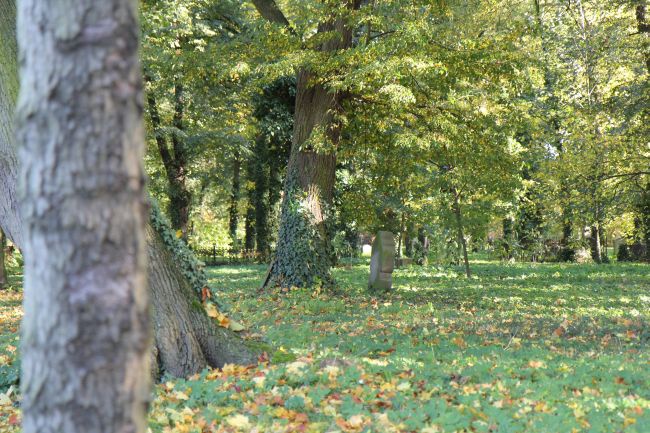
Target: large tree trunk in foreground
85	334
164	273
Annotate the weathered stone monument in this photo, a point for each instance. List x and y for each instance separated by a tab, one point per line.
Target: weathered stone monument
382	261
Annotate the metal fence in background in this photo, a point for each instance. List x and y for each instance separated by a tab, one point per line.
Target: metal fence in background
225	256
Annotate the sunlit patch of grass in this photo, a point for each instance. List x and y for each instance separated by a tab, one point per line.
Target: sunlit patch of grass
518	347
529	347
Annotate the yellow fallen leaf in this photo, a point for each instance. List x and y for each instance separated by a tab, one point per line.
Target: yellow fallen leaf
355	421
238	421
629	421
179	234
404	386
236	326
223	320
181	395
211	310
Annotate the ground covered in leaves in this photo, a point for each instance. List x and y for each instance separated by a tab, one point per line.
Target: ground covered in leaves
518	348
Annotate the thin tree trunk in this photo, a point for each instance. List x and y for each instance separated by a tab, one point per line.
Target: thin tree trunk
461	234
161	257
508	237
260	197
3	269
596	253
180	196
249	224
234	198
643	26
86	329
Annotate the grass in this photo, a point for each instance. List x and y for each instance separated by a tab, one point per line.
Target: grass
518	348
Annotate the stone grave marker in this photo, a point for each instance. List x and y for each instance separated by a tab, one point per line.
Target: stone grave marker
382	261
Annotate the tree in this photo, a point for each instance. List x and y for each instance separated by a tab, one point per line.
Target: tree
274	115
304	252
3	269
86	330
234	200
174	159
186	339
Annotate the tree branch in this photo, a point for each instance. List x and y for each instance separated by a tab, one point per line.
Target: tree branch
271	12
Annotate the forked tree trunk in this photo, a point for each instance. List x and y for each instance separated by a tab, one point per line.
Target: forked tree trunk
174	159
197	334
86	329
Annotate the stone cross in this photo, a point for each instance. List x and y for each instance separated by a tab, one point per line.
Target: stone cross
382	262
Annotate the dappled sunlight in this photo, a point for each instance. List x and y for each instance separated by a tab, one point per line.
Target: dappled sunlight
523	346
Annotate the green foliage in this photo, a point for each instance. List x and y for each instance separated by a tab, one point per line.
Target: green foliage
304	253
523	348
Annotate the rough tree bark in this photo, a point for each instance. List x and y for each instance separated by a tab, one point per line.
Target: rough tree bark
9	215
86	330
304	254
164	271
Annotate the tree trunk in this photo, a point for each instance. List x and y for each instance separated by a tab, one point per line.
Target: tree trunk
260	197
508	237
187	340
234	199
174	160
180	197
249	224
86	329
409	236
400	239
643	26
594	240
304	252
9	215
3	269
461	234
164	273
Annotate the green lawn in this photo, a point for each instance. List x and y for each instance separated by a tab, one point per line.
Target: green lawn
518	348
